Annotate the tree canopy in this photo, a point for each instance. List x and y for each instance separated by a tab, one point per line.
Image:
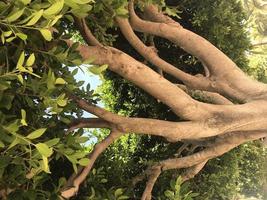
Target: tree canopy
180	100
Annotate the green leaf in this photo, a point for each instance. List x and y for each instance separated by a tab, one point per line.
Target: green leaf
23	118
37	133
82	139
54	8
46	34
15	15
83	1
21	60
52	142
12	127
4	85
14	143
30	60
123	197
84	161
118	192
35	18
7	33
2	144
25	2
45	165
179	180
10	39
121	11
98	70
22	36
20	78
3	38
55	20
169	194
60	81
62	102
44	149
74	72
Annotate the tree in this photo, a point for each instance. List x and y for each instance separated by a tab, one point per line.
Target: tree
39	92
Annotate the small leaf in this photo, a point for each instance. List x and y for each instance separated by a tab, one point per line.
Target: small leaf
169	194
103	180
21	60
7	33
118	192
25	2
30	60
10	39
60	81
98	70
23	114
15	15
14	143
74	72
46	34
62	102
23	118
84	162
52	142
37	133
20	78
35	18
44	165
55	20
22	36
3	38
44	149
54	8
2	144
123	197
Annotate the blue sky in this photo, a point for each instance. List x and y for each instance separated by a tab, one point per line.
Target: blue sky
87	77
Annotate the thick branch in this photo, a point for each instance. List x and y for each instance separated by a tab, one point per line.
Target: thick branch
196	161
172	131
150	55
157	86
221	146
86	33
226	78
155	172
193	171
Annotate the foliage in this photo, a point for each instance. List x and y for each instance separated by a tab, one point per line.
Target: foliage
178	191
35	109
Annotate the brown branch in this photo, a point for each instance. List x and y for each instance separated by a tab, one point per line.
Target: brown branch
73	184
226	78
191	172
196	161
150	55
132	70
214	97
220	146
88	123
154	174
172	131
86	33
